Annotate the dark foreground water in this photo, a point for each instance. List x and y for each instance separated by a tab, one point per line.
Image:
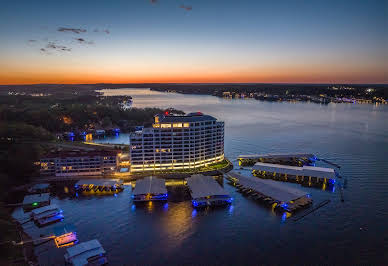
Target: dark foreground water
350	232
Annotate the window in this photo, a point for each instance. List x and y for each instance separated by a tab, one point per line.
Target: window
186	125
165	125
177	125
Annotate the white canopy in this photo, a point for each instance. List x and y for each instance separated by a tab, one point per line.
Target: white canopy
79	254
150	185
276	190
204	186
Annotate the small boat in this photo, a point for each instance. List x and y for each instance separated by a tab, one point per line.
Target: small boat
47	215
86	253
65	236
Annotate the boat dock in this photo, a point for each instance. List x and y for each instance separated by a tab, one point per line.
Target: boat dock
47	215
293	159
34	201
149	189
86	253
99	186
271	193
205	191
305	175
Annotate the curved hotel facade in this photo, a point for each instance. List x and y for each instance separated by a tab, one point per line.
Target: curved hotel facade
177	143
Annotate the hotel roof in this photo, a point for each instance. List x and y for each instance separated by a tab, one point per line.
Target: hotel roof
203	186
191	117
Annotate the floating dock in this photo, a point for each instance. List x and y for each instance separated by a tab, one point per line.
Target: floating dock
149	189
307	175
99	186
205	191
34	201
273	194
293	159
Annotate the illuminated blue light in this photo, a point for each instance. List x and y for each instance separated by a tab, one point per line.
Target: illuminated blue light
332	181
333	189
195	203
231	208
76	194
194	213
284	205
115	195
308	195
165	206
133	208
284	217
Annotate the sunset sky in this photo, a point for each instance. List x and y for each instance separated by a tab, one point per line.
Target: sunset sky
137	41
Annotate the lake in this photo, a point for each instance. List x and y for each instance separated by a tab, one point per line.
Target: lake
350	232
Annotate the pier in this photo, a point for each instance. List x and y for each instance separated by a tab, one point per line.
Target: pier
273	194
150	189
205	191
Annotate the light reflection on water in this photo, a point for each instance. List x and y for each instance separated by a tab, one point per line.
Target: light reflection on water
353	136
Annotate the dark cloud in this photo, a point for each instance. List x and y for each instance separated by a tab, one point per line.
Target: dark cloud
82	40
107	31
153	1
187	8
96	30
43	50
32	41
73	30
57	47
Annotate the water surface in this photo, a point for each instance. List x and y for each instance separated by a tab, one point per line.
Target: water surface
351	232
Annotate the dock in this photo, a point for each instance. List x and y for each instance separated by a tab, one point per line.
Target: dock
150	189
271	193
34	201
205	191
292	159
99	186
305	175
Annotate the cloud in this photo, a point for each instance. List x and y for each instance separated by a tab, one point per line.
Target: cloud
57	47
82	40
153	1
73	30
187	8
107	31
32	41
96	30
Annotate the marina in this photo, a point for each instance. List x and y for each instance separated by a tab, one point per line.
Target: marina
271	193
205	191
150	189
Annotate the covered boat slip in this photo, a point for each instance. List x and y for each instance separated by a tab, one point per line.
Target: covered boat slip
294	172
297	159
205	191
150	188
101	186
47	215
86	253
34	201
272	192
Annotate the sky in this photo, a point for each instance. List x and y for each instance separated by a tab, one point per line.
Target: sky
204	41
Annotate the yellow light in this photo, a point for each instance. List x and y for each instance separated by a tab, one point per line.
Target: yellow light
177	125
165	125
186	125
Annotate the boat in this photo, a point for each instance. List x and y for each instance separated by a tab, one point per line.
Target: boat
65	236
47	215
86	253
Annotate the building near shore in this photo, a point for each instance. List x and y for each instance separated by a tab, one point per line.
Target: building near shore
79	163
177	143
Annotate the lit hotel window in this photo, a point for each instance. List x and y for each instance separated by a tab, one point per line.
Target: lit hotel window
165	125
186	125
177	125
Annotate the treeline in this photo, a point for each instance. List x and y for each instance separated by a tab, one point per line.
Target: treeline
79	113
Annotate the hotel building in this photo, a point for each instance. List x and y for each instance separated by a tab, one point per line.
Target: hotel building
79	163
177	143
